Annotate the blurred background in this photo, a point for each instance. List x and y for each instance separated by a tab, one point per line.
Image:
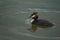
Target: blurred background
13	14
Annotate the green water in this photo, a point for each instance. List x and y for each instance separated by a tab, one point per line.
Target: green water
13	14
